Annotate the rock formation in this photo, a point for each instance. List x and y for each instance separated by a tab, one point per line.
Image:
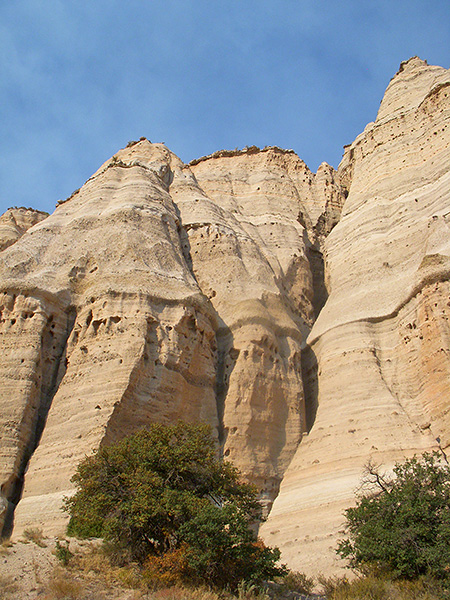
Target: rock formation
15	222
304	316
377	359
153	294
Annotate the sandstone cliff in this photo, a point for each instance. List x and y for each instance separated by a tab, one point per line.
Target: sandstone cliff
304	316
15	222
155	294
377	358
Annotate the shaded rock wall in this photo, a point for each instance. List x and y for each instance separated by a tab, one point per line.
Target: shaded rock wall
264	294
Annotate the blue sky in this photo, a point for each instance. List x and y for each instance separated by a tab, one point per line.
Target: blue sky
80	78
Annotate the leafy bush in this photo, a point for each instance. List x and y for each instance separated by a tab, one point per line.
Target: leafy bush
164	493
401	526
167	569
224	550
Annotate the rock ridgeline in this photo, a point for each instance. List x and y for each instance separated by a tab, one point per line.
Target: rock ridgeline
304	316
15	222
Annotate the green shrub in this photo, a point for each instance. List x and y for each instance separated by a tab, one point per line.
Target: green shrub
402	525
62	553
164	489
223	550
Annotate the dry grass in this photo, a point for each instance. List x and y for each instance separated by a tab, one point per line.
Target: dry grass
128	576
373	587
95	564
35	535
94	568
182	593
92	575
63	586
298	582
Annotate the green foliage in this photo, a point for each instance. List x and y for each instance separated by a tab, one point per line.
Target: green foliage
62	552
164	493
402	526
224	550
248	591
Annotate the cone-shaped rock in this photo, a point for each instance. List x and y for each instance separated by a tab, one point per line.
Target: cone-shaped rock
304	316
378	355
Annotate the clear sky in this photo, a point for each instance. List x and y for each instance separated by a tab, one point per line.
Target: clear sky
80	78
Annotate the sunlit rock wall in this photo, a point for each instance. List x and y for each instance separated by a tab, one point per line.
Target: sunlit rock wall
377	360
303	316
147	297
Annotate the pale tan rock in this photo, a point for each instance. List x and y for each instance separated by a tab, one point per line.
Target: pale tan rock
15	221
378	354
162	291
154	296
254	256
108	310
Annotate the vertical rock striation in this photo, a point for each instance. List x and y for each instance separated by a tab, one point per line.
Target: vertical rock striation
377	357
263	291
156	293
131	335
278	305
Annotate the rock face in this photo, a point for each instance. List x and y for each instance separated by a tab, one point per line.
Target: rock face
304	316
251	253
155	294
15	222
377	357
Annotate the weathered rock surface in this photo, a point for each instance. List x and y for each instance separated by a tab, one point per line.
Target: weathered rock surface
109	329
145	297
233	291
378	355
15	222
253	258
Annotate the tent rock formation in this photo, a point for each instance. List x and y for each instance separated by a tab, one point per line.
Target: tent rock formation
304	316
